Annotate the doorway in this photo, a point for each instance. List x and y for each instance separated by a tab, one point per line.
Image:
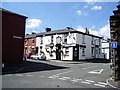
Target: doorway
58	51
75	53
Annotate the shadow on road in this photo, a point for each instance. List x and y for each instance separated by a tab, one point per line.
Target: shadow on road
99	61
30	66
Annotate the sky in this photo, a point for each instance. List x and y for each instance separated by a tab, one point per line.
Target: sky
59	15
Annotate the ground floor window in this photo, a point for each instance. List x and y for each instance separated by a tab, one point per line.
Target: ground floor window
66	51
83	51
92	51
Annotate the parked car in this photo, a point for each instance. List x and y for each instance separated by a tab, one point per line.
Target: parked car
27	55
37	56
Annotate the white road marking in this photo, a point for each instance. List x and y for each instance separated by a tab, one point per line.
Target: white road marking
78	79
107	81
106	64
19	74
99	85
89	81
54	76
85	82
102	83
30	75
89	67
63	73
96	71
75	80
64	78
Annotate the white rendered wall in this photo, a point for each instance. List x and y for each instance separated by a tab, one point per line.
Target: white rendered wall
70	57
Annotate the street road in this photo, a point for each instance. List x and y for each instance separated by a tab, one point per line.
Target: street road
59	74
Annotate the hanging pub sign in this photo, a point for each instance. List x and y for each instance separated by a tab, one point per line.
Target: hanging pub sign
58	40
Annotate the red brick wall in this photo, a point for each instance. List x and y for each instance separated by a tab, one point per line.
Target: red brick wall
29	45
12	48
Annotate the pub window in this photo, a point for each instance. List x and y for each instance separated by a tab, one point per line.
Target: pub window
92	41
67	51
41	40
92	51
65	35
99	42
51	39
65	40
83	39
83	51
33	41
99	51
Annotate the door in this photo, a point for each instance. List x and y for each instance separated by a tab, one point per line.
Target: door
75	53
58	51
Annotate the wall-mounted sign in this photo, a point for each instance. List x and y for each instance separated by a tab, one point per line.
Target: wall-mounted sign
17	37
114	44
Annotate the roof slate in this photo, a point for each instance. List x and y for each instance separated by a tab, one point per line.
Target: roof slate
62	31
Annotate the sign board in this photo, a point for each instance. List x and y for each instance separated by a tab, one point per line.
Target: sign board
114	44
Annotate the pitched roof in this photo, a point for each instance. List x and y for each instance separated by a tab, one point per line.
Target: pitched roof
62	31
7	11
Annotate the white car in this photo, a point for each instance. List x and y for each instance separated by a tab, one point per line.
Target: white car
37	56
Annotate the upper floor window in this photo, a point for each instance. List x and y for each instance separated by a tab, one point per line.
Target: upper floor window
65	35
92	41
83	39
41	40
92	51
51	39
65	40
33	41
100	42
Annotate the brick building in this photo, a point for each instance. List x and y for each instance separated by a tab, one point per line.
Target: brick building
13	33
30	44
115	37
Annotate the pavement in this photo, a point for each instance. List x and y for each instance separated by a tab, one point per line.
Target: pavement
113	83
15	69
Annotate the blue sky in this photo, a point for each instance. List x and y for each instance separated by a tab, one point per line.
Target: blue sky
59	15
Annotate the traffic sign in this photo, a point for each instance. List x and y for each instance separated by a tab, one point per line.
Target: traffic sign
114	44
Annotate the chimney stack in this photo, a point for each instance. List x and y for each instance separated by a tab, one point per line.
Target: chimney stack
48	29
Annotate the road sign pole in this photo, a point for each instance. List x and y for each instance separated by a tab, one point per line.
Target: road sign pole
114	59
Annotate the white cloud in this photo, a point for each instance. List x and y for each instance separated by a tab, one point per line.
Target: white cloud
104	31
92	27
94	32
33	23
79	12
81	29
96	8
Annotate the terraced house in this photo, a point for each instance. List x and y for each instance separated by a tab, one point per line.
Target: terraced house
68	44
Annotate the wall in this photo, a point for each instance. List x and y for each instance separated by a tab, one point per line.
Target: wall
12	48
29	45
